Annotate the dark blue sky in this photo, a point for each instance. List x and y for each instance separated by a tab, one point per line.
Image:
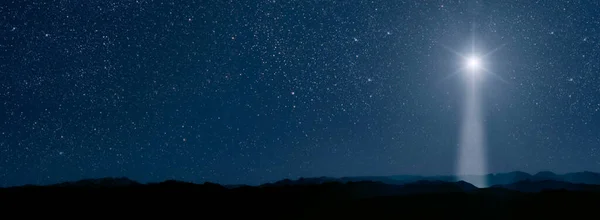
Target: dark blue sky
257	91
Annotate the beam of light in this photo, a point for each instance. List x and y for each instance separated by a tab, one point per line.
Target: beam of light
472	161
471	164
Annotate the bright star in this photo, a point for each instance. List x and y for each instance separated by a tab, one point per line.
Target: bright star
473	63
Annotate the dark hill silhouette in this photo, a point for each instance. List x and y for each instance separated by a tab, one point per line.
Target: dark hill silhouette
582	177
318	198
425	186
507	178
304	181
102	182
546	175
544	185
493	179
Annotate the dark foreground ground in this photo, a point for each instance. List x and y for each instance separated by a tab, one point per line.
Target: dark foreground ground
323	201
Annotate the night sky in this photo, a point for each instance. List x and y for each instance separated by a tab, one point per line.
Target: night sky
256	91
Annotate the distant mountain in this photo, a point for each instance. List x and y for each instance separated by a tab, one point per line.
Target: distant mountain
174	186
306	181
350	187
545	185
101	182
492	179
546	175
507	178
235	186
582	177
319	198
328	187
426	186
321	180
514	177
382	179
512	180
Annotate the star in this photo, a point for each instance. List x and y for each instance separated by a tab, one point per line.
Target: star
473	63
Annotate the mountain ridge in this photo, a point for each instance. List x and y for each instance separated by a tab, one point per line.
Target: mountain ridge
316	198
509	180
583	177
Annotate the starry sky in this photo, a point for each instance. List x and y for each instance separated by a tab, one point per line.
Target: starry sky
256	91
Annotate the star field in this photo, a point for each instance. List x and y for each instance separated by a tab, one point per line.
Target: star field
256	91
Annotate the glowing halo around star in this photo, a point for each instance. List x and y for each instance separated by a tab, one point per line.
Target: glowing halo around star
473	63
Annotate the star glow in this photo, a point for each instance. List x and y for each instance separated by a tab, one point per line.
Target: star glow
473	63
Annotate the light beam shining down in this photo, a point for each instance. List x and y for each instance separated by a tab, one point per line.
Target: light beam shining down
472	159
471	164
